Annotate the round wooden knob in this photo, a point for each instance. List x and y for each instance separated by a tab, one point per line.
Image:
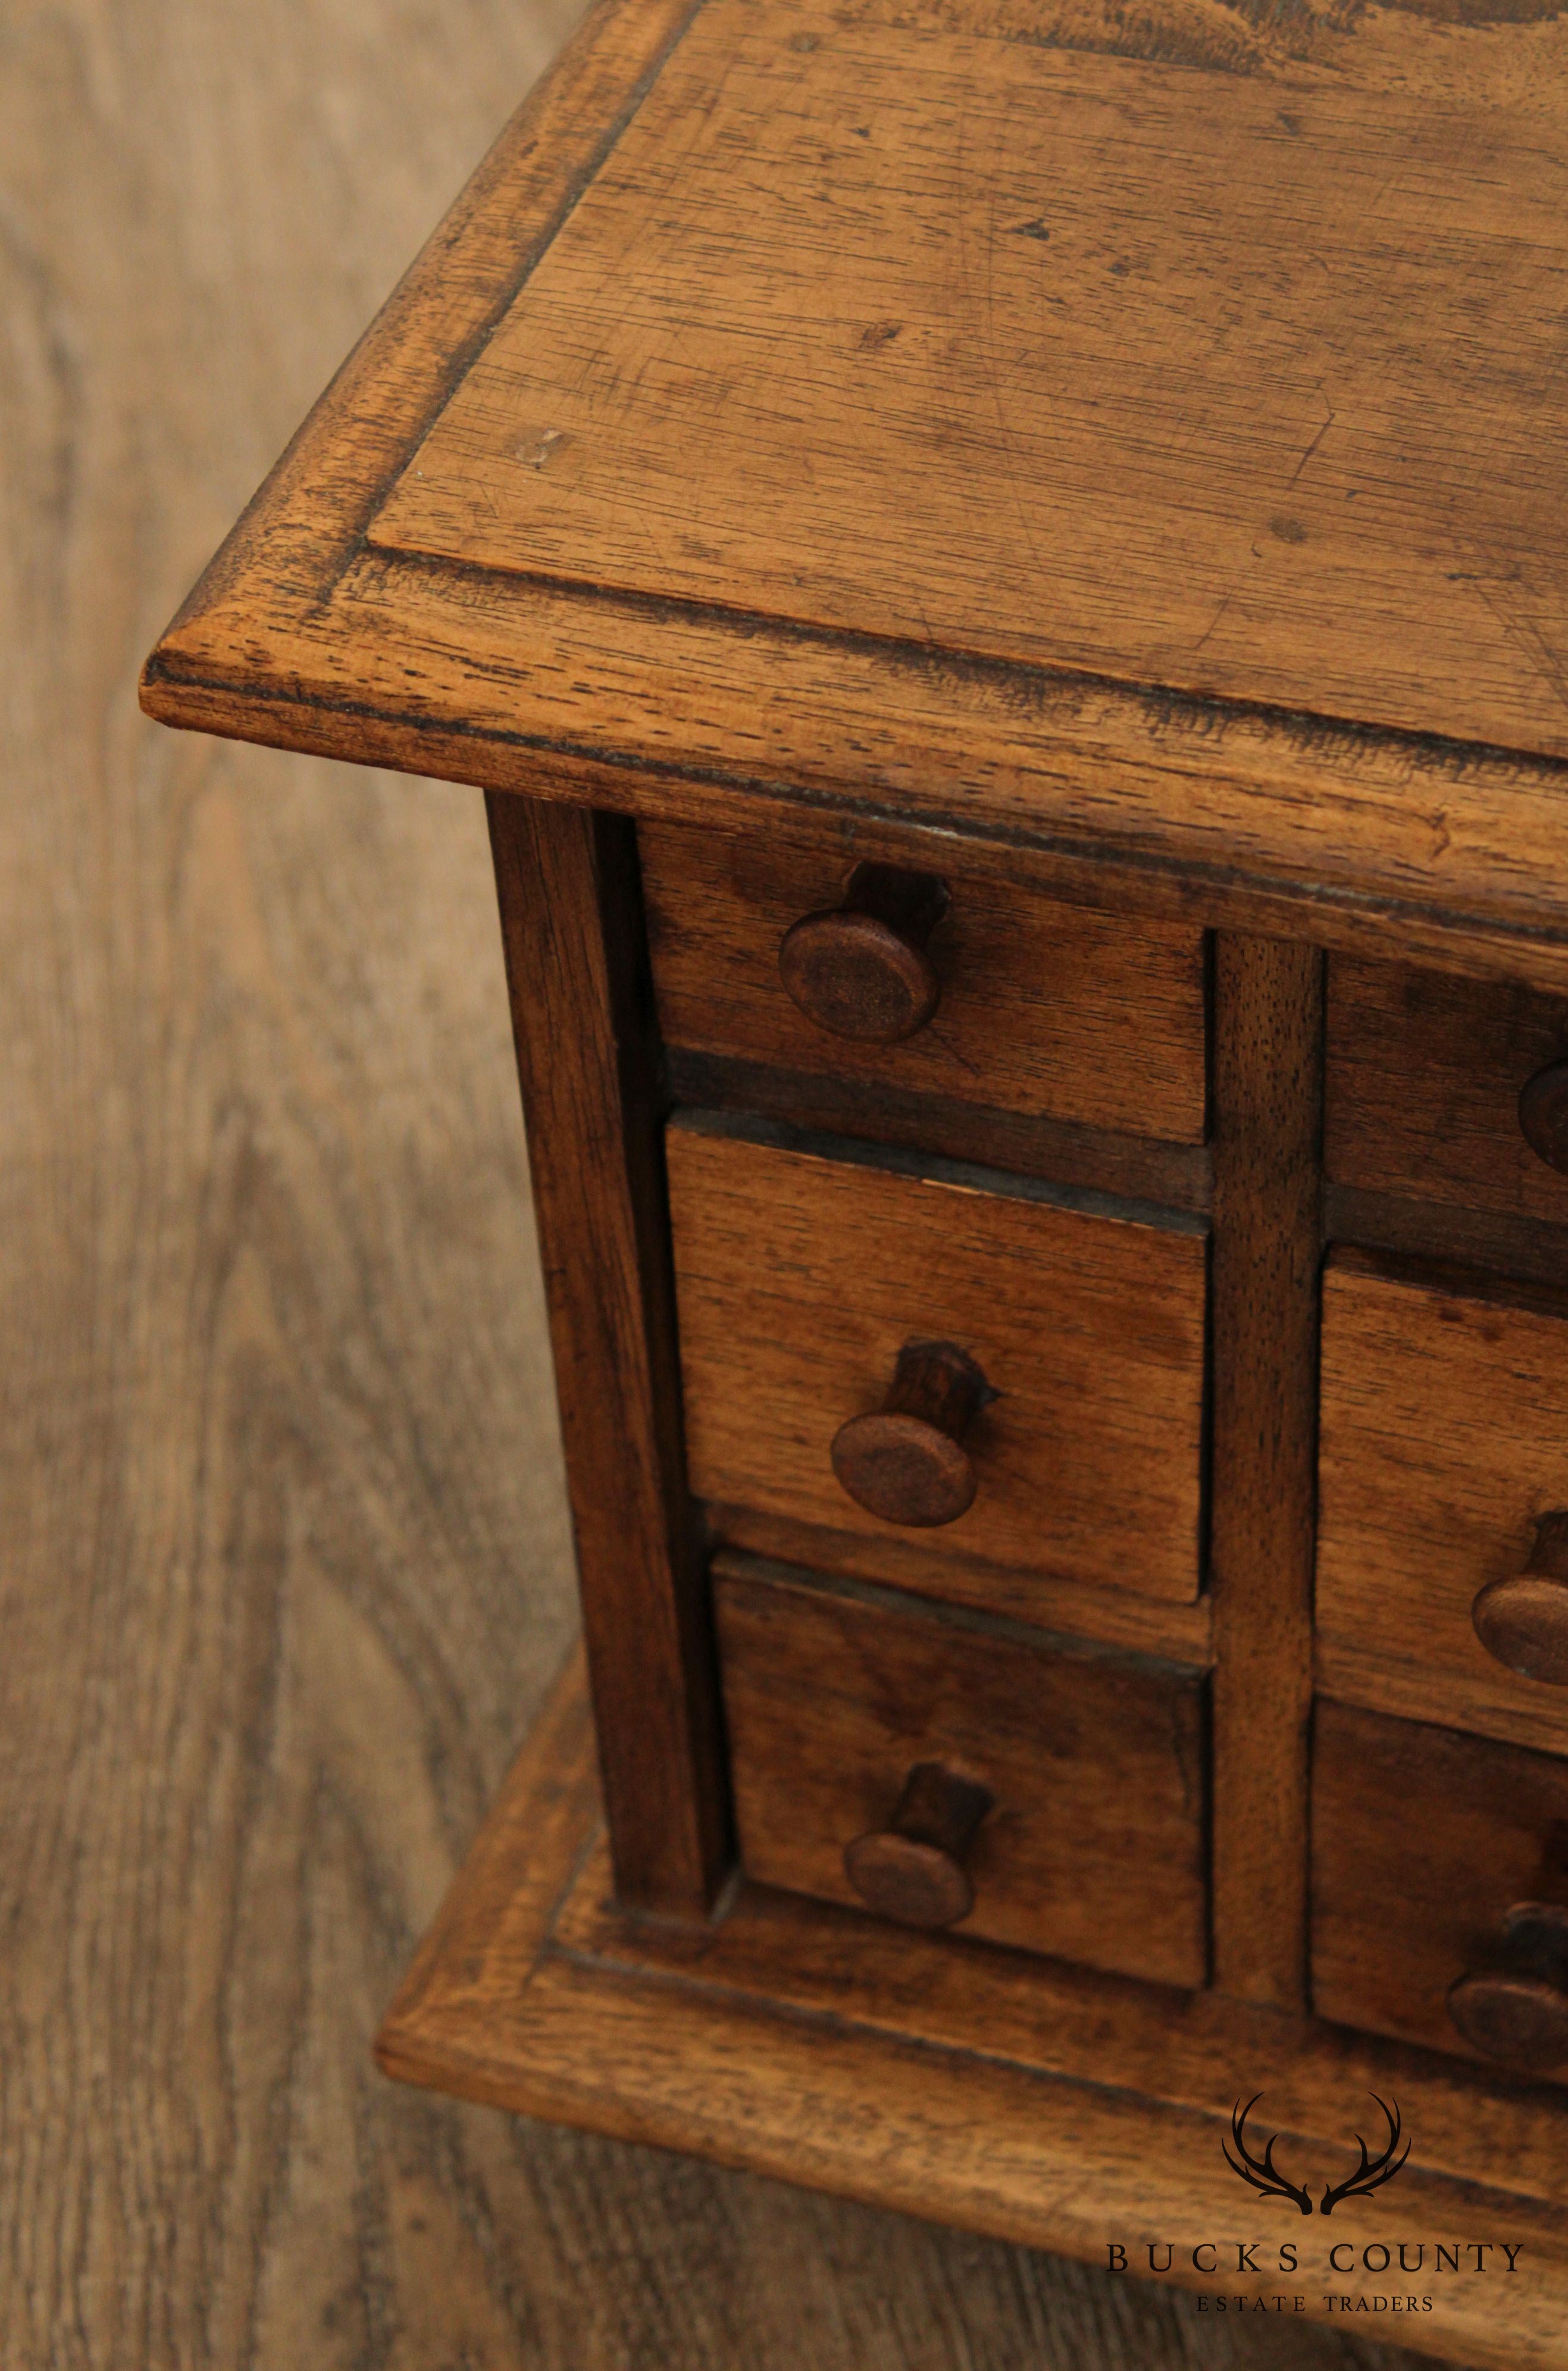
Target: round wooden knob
860	969
1522	1621
905	1462
1516	2009
1522	2022
1543	1114
913	1869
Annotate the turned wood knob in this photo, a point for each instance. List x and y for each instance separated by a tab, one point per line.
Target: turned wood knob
860	969
913	1869
1515	2008
1522	1620
905	1461
1543	1114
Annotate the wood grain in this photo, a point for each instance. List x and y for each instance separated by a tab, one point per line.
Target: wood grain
1423	1081
1094	1848
1181	2048
801	1277
1444	1440
839	257
1271	818
1047	1010
954	2075
587	1055
1268	1107
286	1556
1494	1833
287	1550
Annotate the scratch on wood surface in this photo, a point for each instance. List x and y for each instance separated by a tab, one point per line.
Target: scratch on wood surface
534	451
1314	442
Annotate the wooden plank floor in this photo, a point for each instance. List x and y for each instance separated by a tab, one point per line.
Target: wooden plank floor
284	1560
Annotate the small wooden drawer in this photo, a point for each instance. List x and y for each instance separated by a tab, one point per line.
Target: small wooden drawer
1442	1576
1078	1774
1042	1009
1440	1889
1425	1077
808	1285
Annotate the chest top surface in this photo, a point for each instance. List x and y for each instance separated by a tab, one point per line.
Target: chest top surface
1237	369
1109	441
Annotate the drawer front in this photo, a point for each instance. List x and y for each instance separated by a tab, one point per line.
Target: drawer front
1047	1009
801	1281
1424	1077
1444	1458
1427	1845
1091	1845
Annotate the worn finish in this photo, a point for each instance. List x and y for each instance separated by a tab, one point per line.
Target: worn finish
1244	717
1445	1442
801	1276
1146	442
1133	1168
860	969
1047	1010
1525	1248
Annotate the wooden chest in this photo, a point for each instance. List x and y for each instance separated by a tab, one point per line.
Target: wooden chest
1004	579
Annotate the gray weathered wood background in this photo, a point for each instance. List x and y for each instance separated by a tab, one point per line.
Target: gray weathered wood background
285	1562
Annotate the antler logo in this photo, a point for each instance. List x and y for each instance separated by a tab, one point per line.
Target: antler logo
1261	2171
1264	2176
1373	2171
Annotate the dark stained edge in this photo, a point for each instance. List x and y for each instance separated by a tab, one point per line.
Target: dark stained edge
1531	1249
1027	685
1266	1252
1547	1297
587	1056
749	1126
1173	1630
1139	1169
734	1564
1165	882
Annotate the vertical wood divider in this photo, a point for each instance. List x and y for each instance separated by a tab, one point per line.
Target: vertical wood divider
1268	1064
587	1057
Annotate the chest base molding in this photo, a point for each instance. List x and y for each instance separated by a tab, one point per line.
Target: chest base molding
973	2085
